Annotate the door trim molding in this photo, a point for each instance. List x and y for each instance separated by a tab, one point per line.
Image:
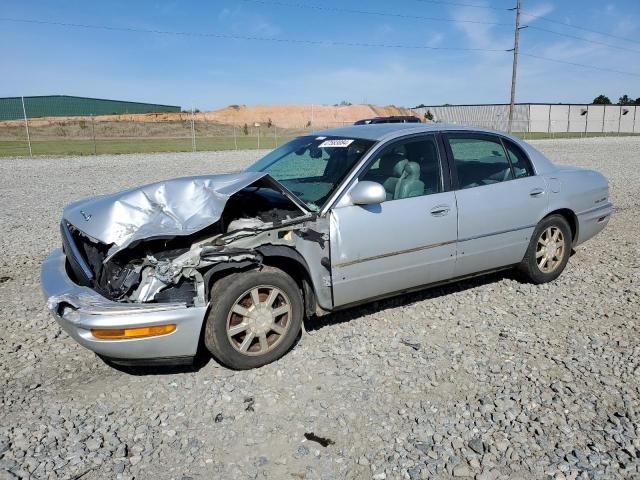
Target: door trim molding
427	247
393	254
500	232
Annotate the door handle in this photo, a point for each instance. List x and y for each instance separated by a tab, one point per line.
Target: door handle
440	210
536	192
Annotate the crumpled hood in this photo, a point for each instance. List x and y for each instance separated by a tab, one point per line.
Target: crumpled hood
180	206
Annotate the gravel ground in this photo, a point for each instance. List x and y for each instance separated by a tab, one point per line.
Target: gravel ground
490	378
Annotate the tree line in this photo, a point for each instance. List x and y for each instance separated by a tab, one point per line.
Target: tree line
623	100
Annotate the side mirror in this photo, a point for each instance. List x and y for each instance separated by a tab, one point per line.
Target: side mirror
367	193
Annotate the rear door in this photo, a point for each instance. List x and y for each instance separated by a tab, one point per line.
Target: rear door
407	240
500	200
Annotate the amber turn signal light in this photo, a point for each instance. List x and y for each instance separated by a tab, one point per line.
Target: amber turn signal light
126	333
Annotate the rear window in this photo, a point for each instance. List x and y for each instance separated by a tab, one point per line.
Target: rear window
521	163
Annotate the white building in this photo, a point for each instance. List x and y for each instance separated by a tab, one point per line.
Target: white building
540	117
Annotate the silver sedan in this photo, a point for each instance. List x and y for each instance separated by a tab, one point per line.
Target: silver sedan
233	263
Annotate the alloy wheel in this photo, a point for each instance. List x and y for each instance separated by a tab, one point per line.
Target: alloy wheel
550	249
258	320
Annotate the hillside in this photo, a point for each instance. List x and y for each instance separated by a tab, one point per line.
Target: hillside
290	116
297	116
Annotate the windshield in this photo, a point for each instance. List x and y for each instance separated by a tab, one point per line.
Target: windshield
312	167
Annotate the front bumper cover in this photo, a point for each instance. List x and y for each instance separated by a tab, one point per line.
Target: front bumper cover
78	309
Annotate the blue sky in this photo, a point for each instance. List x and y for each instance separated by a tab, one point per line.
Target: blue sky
208	72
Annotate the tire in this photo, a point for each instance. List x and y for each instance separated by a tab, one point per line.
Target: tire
242	335
542	264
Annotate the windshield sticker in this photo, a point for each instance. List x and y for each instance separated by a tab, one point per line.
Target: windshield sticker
336	143
320	138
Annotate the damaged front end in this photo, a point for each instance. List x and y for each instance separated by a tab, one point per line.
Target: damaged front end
161	243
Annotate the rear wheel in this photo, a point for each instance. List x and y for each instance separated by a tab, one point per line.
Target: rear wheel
548	251
254	319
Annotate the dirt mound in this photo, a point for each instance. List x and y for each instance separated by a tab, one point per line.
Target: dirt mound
284	116
296	116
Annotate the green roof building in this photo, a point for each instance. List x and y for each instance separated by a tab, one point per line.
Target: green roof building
69	106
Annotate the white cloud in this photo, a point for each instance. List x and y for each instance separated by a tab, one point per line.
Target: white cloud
243	22
531	14
167	8
479	35
384	29
435	39
402	81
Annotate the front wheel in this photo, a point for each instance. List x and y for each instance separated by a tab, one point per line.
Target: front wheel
255	318
548	251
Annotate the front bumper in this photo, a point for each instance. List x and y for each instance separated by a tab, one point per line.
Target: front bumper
78	309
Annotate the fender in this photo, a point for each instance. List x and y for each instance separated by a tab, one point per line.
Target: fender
283	256
278	256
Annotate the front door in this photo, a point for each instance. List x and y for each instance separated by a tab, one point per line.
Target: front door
500	201
405	242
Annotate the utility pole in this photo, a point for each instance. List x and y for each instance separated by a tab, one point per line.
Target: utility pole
515	65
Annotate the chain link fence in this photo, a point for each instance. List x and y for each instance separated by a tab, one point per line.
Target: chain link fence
94	135
29	129
23	134
553	129
534	121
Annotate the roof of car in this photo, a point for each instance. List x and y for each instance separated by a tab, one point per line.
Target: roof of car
387	131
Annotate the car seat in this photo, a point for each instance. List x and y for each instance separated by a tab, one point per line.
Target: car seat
391	166
409	183
425	154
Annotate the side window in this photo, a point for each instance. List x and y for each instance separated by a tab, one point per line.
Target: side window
407	168
519	160
479	160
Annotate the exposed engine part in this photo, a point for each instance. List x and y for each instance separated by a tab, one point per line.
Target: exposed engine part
170	270
313	236
157	275
149	286
229	255
245	224
126	278
183	292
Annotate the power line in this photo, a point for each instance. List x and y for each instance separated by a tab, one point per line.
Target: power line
295	41
458	4
419	17
595	42
577	27
593	67
246	37
481	22
370	12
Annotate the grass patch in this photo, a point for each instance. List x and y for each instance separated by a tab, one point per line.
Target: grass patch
66	146
85	146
